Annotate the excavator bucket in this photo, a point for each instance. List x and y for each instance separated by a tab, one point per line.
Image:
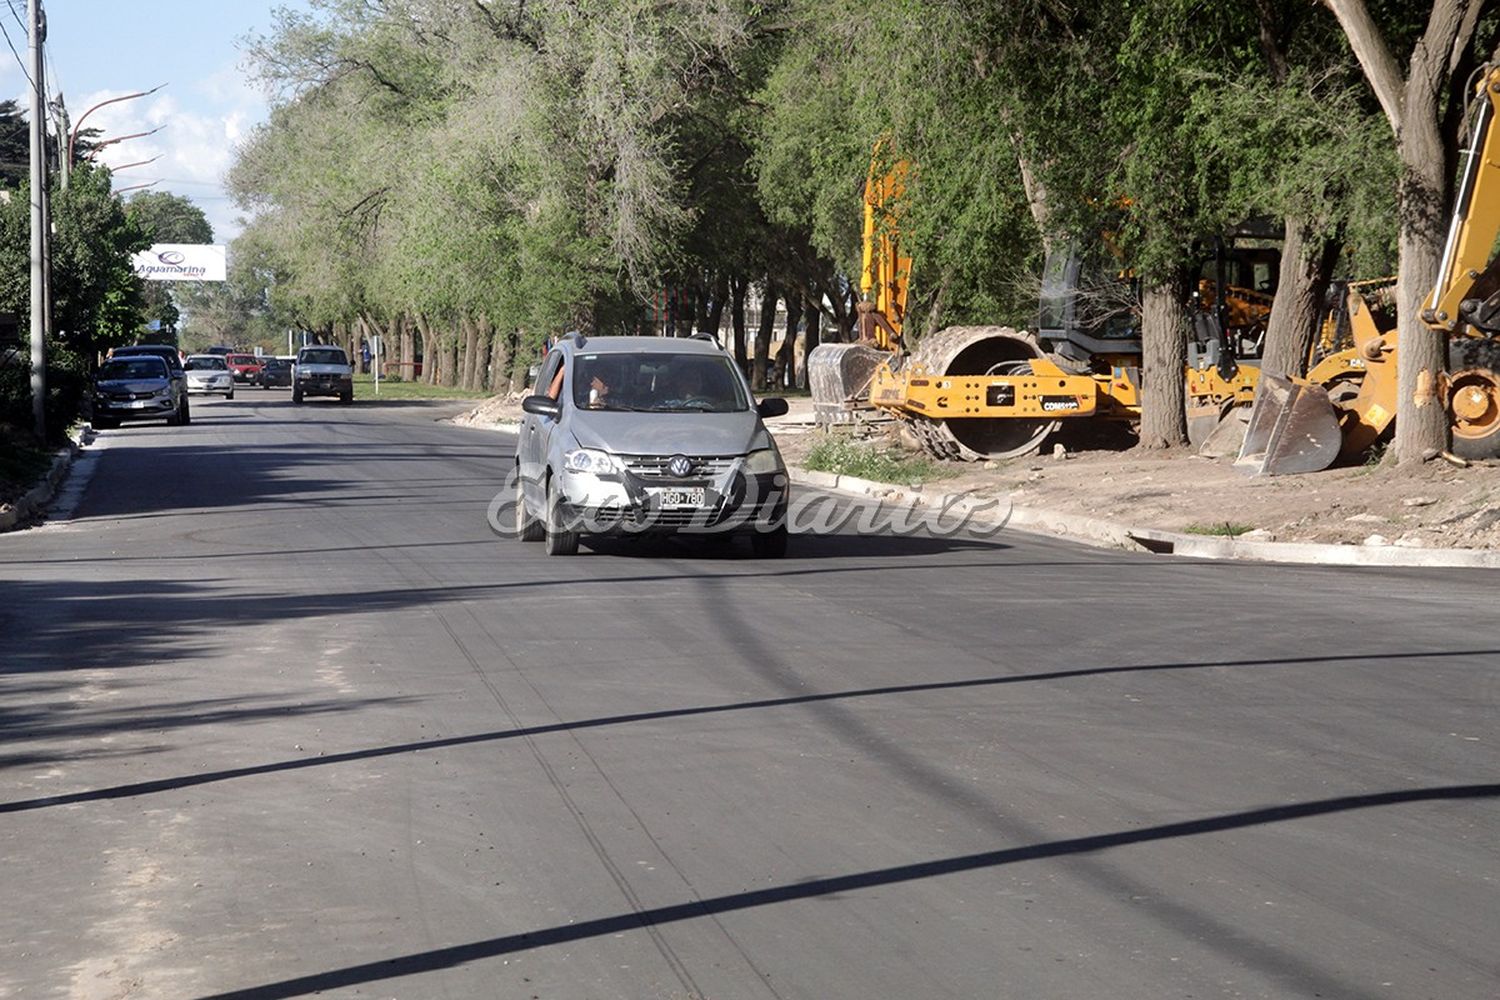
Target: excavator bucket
1226	437
1293	428
839	376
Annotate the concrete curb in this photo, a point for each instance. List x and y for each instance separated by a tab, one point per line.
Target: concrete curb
39	496
1102	533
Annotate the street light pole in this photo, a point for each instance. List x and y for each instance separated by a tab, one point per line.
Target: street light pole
38	223
73	135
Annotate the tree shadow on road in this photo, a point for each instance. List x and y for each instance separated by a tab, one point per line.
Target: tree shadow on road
1308	978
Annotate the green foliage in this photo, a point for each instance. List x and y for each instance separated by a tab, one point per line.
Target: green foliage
22	463
882	465
97	299
555	165
169	218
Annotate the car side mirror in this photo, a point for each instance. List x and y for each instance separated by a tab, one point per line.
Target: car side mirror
542	406
772	407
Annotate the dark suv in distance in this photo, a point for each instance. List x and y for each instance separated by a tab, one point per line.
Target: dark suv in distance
276	373
166	352
138	387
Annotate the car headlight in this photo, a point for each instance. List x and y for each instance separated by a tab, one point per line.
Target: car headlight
763	462
163	393
592	460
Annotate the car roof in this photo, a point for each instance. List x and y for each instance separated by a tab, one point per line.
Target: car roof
145	349
640	345
216	357
140	357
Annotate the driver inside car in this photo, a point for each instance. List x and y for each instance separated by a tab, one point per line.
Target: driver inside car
688	388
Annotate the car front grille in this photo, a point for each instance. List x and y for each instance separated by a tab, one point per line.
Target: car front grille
604	517
654	467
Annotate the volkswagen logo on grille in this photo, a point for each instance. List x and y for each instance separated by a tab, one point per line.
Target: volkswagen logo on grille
679	466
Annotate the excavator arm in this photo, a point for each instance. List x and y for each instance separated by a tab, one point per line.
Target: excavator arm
1468	287
884	278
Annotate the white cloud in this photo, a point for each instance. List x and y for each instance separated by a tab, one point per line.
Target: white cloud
196	142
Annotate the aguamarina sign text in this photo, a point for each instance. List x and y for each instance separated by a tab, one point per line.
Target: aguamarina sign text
181	262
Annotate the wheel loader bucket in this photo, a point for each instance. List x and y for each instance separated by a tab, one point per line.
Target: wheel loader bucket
839	376
1293	428
1228	435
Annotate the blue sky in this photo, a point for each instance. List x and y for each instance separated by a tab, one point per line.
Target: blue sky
106	48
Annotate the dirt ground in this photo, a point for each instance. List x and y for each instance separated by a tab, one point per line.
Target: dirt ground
1434	505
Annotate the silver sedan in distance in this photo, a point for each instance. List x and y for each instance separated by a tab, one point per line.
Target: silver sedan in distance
207	374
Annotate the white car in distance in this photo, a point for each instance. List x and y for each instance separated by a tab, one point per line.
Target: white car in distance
207	374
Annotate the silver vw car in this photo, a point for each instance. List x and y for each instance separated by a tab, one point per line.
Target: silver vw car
647	434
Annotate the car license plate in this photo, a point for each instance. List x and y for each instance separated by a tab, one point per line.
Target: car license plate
688	497
138	404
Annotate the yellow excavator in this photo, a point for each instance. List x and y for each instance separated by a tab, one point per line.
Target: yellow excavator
991	392
1304	425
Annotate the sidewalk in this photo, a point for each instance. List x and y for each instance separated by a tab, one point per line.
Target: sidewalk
1179	503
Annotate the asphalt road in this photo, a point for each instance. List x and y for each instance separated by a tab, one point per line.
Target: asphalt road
280	714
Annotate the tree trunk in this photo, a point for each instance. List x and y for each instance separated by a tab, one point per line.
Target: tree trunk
472	371
1164	330
811	341
1422	418
429	352
702	300
740	288
520	361
448	374
408	350
498	368
763	336
1412	106
715	314
786	358
1306	267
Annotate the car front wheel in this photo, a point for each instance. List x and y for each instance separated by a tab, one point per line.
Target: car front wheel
560	541
528	527
296	395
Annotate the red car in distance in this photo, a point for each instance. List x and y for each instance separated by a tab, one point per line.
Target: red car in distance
244	367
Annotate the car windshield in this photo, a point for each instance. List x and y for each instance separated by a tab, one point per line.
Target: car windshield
207	363
657	382
327	356
243	359
132	368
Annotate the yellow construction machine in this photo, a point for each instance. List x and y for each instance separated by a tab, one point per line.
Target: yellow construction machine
983	392
1349	400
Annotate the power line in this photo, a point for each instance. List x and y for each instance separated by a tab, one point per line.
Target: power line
19	61
20	22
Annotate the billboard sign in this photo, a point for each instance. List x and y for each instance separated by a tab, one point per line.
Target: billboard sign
181	262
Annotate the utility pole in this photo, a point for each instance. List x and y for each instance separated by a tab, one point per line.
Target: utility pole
37	32
64	146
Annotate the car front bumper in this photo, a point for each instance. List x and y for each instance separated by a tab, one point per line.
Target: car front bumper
736	503
206	388
155	408
325	385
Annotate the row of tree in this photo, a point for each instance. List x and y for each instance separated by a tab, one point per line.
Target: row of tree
467	177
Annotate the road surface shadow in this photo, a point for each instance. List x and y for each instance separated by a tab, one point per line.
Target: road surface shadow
1309	980
158	785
